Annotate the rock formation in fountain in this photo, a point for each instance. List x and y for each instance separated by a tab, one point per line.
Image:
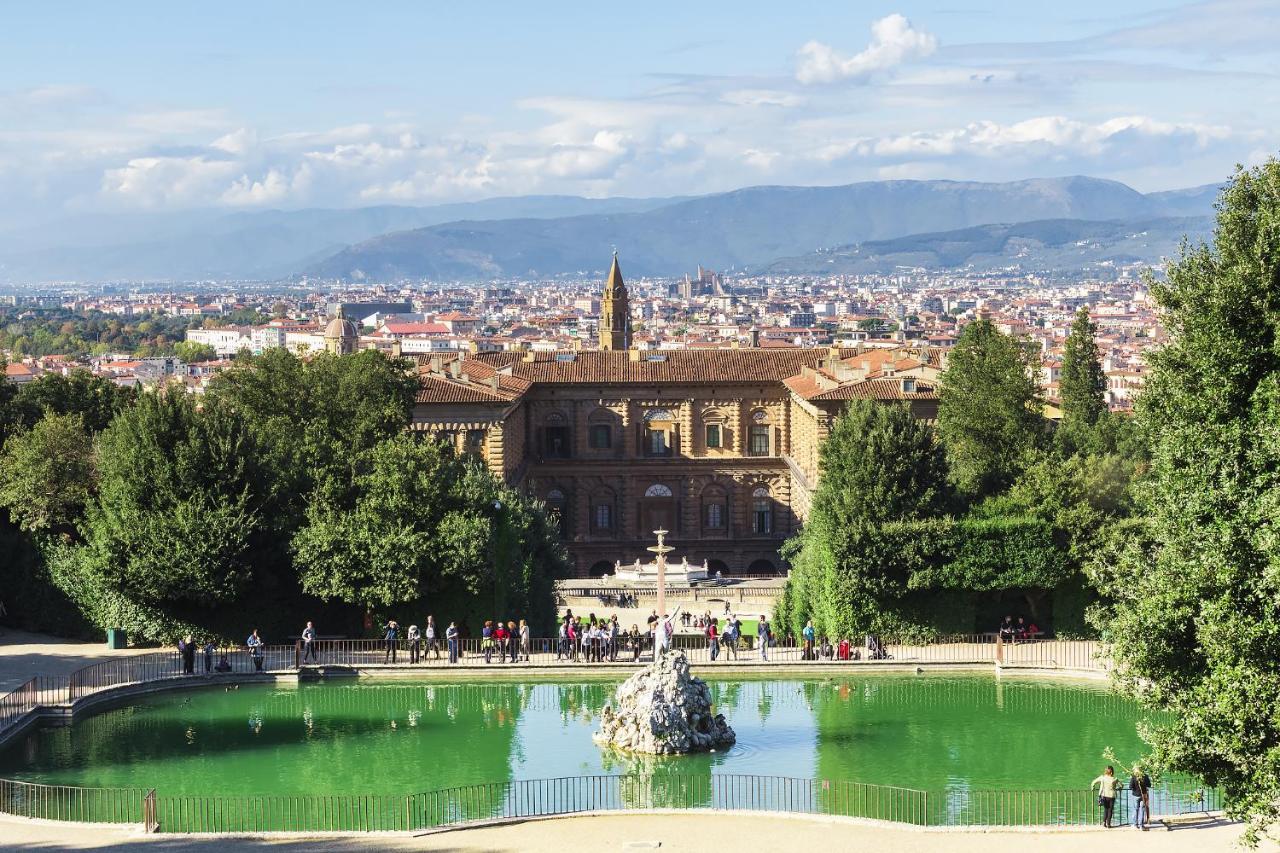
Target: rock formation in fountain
663	710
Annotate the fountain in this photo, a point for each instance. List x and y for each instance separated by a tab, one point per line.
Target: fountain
663	710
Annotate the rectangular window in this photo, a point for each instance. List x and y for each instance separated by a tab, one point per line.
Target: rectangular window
759	441
715	515
658	442
475	440
713	435
601	437
557	438
604	517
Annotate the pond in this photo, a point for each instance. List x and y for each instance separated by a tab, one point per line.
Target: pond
931	732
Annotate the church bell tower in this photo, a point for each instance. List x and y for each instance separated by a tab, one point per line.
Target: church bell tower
615	312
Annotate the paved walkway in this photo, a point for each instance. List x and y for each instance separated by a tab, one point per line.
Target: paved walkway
24	655
692	833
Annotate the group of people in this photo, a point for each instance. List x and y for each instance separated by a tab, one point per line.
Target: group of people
1012	630
1139	786
189	647
597	640
728	638
508	640
821	648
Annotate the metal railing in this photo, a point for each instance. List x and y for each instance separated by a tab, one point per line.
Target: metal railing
62	802
41	691
165	665
1050	654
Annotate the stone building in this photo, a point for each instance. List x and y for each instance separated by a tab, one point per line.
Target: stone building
719	447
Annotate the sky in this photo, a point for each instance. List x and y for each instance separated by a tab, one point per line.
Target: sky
166	107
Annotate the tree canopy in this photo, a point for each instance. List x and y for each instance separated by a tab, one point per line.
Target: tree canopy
47	474
988	414
1082	384
1192	625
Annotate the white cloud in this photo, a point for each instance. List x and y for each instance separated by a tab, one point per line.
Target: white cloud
760	159
893	41
157	182
761	98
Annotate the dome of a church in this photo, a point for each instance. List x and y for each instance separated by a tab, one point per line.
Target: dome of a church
340	327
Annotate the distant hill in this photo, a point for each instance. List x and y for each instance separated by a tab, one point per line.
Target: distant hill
745	228
552	235
1050	245
260	244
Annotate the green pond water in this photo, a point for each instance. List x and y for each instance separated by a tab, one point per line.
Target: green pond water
937	733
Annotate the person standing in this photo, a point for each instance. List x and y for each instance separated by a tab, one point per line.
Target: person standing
713	640
308	643
513	640
500	640
255	645
1140	788
208	656
763	635
433	642
187	649
636	644
1107	784
451	637
524	641
809	635
415	642
614	631
392	638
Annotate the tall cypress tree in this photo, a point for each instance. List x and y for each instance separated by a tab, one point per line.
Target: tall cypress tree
1082	384
988	416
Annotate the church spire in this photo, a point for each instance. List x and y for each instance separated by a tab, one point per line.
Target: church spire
615	311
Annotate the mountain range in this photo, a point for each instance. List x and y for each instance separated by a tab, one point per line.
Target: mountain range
779	228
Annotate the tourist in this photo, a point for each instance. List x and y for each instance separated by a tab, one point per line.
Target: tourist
513	641
187	649
614	631
763	636
825	649
415	641
451	638
876	649
1020	629
713	639
634	639
665	631
308	642
524	641
842	649
433	642
730	640
209	649
500	641
1007	629
255	645
224	665
808	633
486	640
392	638
1106	783
1140	788
562	644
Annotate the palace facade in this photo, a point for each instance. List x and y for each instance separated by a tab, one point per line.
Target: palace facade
717	446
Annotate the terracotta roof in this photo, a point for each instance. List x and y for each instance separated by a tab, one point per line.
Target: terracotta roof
878	389
478	387
700	365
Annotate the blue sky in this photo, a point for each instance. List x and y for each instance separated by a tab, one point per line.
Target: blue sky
172	106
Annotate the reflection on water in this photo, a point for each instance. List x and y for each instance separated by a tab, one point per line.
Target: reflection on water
932	732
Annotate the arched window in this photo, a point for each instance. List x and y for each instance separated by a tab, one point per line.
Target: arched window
659	432
556	509
761	511
657	490
555	436
758	434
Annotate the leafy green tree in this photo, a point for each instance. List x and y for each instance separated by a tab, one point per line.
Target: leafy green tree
879	464
179	509
1082	384
94	398
988	415
47	474
1193	626
422	526
190	351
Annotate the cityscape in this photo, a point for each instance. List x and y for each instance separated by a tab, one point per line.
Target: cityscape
507	427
